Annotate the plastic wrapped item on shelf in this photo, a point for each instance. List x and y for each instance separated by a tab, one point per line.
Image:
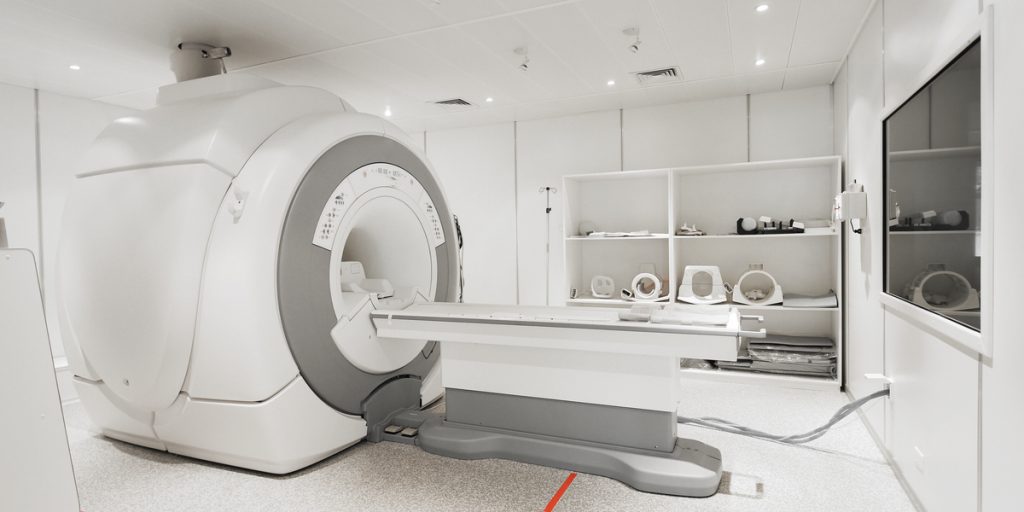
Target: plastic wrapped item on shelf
697	364
788	355
686	230
618	234
785	356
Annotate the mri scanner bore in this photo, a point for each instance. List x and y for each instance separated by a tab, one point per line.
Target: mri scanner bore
258	275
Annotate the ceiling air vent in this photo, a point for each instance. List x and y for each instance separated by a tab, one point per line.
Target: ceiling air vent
657	76
454	104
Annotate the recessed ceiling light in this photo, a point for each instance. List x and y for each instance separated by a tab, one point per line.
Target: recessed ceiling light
611	83
759	62
74	67
387	111
489	99
761	7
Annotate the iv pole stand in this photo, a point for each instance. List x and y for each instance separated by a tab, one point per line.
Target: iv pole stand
547	243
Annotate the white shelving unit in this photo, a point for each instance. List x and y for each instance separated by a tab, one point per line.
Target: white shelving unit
713	197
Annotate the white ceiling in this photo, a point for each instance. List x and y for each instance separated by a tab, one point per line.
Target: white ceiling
407	53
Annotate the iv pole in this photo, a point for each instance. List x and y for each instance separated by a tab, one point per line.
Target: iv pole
547	243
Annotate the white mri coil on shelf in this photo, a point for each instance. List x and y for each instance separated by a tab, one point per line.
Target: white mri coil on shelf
939	289
702	284
757	288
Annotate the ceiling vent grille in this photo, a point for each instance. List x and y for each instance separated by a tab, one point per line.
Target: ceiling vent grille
657	76
454	104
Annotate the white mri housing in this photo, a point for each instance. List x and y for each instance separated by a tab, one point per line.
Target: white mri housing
200	232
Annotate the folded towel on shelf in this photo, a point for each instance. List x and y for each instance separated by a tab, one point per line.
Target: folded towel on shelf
795	300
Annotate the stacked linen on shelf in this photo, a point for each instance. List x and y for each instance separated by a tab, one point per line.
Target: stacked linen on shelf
793	355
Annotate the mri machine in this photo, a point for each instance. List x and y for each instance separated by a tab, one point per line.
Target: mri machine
257	275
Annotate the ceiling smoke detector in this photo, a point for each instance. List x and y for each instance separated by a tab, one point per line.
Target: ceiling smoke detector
658	76
525	54
635	33
454	104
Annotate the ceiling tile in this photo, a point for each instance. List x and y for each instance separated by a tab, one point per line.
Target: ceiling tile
255	32
579	50
699	34
457	11
336	19
610	18
518	5
825	30
495	76
401	16
502	36
762	35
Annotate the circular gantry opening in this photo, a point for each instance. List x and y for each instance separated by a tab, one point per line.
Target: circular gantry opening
389	240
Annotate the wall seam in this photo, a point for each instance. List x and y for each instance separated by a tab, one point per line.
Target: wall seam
39	194
748	127
515	203
622	142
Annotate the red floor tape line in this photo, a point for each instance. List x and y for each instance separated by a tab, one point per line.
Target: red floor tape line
561	491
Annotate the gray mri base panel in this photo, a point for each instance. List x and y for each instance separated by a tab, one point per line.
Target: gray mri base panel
692	469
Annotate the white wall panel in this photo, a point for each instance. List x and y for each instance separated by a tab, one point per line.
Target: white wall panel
67	127
933	416
546	150
1003	378
695	133
791	124
921	35
18	167
477	168
865	341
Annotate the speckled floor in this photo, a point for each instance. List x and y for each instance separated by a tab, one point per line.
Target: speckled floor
841	471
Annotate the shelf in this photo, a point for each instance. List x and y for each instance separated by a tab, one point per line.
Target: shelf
662	199
594	300
607	238
809	232
929	154
744	377
745	307
974	232
827	163
610	302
